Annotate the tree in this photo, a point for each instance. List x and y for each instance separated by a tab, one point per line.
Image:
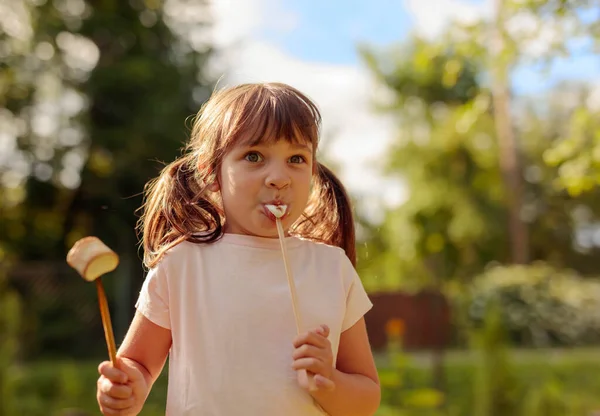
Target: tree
501	64
94	94
565	29
455	222
446	154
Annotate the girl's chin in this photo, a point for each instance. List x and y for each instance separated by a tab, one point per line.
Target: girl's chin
268	228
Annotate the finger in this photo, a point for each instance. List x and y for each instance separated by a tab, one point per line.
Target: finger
107	411
307	350
323	330
130	368
115	390
107	402
323	383
310	364
113	374
120	391
311	338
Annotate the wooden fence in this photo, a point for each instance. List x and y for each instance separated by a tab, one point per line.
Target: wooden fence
425	319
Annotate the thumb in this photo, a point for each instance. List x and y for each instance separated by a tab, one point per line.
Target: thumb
131	368
112	373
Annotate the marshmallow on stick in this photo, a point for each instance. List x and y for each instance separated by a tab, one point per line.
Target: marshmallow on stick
92	258
279	211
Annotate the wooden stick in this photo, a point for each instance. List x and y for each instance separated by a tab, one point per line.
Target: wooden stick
288	272
106	323
290	278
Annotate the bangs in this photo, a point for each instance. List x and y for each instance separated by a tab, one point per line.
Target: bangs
273	112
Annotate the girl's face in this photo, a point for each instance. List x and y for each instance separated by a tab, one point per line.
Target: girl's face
252	177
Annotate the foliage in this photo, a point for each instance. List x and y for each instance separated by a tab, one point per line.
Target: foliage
562	27
398	397
577	152
113	82
566	29
43	387
92	94
61	388
446	153
496	388
10	316
540	305
492	379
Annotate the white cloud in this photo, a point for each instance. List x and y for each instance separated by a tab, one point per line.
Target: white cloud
432	16
236	20
353	134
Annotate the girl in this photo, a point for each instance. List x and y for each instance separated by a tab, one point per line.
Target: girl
216	299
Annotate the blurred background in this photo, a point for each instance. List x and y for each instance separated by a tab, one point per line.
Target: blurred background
467	132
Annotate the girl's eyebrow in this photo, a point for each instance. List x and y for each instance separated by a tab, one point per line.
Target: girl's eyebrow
296	146
301	146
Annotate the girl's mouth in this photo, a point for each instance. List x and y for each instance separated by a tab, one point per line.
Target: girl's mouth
275	211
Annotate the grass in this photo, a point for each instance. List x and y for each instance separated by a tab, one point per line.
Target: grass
572	374
49	387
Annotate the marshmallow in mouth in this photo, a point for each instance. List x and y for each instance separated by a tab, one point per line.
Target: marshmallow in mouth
277	210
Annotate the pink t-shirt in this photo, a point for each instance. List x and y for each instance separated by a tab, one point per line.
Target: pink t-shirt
229	310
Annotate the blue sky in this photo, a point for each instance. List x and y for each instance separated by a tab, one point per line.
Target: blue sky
328	31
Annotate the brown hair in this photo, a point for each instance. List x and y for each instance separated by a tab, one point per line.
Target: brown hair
177	207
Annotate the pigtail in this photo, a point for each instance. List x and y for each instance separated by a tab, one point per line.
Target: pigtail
328	217
175	210
177	207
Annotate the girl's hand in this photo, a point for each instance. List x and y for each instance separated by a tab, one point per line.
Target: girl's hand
313	353
121	390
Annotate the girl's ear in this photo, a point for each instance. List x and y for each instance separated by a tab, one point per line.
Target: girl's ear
214	186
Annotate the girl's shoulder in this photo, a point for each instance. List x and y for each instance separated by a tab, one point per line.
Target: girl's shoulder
182	251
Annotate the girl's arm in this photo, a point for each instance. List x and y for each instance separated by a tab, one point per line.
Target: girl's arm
123	389
146	346
357	391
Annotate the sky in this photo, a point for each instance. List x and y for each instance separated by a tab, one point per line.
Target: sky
312	45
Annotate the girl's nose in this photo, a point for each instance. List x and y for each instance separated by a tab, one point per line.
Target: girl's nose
277	178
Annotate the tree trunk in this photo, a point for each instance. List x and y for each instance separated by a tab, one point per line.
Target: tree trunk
509	161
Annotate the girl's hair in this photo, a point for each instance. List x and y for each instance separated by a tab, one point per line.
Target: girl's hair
177	207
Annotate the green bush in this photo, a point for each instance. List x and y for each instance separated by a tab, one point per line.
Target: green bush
541	306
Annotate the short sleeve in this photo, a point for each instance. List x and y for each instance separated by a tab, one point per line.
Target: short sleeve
357	300
153	301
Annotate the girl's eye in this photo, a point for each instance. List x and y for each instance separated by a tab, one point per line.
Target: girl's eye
253	157
297	159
